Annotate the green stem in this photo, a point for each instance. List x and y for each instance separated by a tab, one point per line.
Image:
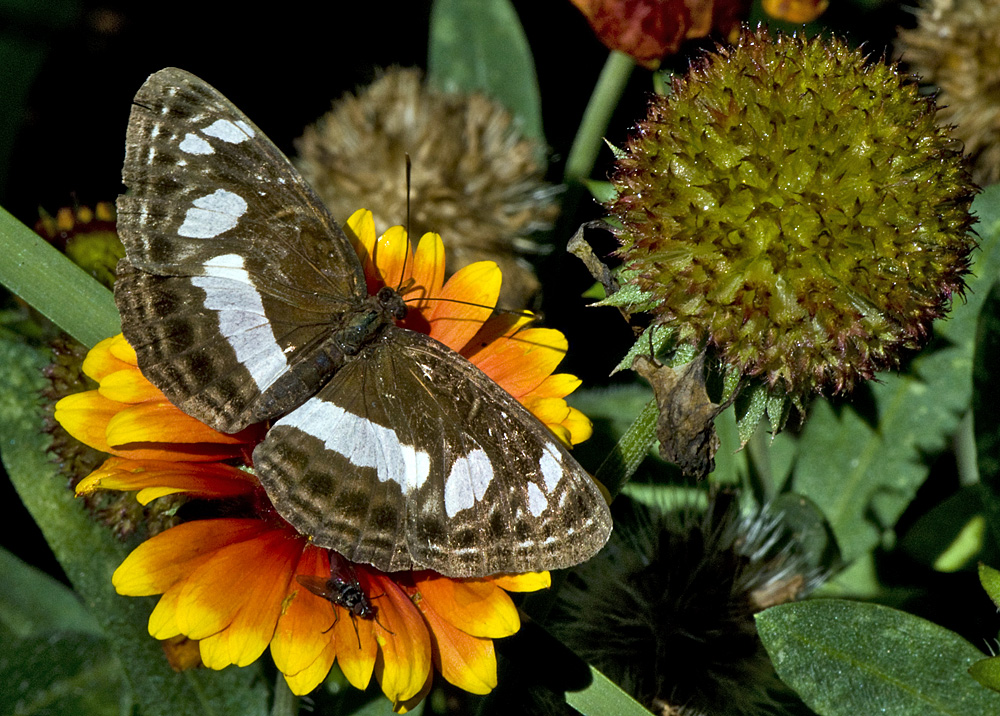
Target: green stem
966	456
622	462
55	286
285	702
603	101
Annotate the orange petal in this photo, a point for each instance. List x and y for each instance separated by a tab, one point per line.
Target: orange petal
109	356
156	478
264	577
477	607
520	363
150	429
454	324
238	589
404	660
502	325
428	270
526	582
468	662
85	416
392	256
302	637
161	561
128	386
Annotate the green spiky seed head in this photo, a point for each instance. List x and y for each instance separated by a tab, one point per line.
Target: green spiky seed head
796	208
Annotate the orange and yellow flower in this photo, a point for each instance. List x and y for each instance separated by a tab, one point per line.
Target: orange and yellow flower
230	582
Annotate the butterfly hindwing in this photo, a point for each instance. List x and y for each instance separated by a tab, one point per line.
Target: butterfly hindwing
426	462
223	236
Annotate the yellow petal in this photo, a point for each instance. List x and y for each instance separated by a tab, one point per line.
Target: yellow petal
360	227
526	582
477	607
85	416
163	619
121	350
557	385
579	426
304	681
108	356
128	386
428	270
160	422
407	705
548	410
356	651
392	256
466	661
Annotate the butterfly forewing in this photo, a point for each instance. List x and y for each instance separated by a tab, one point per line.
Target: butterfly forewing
215	204
245	302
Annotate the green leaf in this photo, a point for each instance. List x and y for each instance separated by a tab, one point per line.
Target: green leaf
850	658
479	45
949	535
32	601
62	673
89	554
987	672
986	418
990	579
602	191
603	696
54	285
863	476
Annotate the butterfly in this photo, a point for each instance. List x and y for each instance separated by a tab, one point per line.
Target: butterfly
246	303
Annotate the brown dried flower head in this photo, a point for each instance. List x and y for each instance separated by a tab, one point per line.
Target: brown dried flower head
475	179
956	46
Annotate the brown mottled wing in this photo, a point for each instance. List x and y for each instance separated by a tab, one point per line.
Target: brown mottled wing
411	457
219	230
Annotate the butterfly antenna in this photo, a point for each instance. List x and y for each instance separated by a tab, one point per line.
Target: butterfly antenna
409	240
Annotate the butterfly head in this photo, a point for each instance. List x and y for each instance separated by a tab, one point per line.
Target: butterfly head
392	303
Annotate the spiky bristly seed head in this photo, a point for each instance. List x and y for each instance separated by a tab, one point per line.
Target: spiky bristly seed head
666	609
796	208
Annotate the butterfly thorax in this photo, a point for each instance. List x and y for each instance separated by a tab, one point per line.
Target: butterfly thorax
346	339
378	311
